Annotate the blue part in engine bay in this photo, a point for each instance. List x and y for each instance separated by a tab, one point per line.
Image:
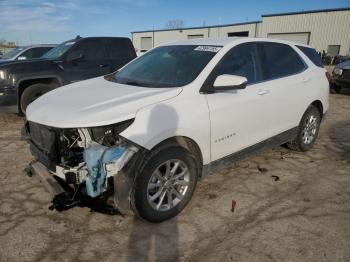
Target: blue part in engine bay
96	157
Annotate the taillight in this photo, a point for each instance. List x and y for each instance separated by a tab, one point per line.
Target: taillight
328	75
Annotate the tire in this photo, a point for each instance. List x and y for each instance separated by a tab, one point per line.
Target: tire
307	131
33	92
150	189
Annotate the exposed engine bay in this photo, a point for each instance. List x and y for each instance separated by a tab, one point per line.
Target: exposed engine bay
84	159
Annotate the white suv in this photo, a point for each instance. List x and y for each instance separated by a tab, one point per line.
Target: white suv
144	135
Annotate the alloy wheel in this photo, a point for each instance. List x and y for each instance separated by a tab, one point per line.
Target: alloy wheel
168	185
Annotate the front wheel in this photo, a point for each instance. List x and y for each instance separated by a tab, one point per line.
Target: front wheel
307	131
166	183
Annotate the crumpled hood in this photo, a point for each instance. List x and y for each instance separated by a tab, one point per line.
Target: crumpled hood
94	102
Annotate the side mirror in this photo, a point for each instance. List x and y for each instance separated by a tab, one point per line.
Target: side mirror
74	56
22	58
230	82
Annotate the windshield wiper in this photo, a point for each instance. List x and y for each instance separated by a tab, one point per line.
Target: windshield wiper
134	83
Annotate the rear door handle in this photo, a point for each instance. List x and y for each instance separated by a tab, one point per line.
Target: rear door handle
263	92
305	80
103	65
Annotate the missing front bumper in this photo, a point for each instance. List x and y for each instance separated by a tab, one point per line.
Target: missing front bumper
99	175
50	183
64	197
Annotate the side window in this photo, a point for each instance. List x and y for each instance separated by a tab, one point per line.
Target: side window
29	54
35	52
242	60
312	55
41	51
280	60
120	49
92	50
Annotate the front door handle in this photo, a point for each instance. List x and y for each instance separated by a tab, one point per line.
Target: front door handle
305	80
103	65
263	92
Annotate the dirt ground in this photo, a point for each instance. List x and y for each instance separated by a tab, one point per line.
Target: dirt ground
303	216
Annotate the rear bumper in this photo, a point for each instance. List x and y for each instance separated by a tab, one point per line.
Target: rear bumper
8	100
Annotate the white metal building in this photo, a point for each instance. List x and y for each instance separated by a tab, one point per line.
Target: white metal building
327	29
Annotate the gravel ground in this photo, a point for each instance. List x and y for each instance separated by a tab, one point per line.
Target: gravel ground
303	216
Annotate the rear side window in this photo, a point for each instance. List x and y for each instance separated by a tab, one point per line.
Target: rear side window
312	55
92	49
120	48
280	60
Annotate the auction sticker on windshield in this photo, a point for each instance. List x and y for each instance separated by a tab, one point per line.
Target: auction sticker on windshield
207	48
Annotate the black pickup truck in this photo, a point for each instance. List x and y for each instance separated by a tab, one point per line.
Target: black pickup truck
21	82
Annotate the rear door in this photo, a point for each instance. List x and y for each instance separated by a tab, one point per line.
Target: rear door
288	85
94	60
120	51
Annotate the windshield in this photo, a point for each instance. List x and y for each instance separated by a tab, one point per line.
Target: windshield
59	50
167	66
12	53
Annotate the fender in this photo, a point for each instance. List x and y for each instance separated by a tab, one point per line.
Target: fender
159	122
21	80
59	78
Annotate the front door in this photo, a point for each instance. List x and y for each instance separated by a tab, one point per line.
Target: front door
239	118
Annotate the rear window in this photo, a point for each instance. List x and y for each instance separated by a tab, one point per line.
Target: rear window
312	55
120	48
280	60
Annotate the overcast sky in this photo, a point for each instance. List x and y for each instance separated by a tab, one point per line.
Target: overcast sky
49	21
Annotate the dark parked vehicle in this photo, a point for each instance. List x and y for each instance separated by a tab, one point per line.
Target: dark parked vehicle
26	52
21	82
341	76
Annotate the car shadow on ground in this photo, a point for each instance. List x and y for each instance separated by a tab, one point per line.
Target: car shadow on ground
153	242
340	135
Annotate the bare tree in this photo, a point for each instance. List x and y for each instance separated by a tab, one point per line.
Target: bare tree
174	24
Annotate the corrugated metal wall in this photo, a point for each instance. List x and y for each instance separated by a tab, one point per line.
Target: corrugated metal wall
325	28
160	37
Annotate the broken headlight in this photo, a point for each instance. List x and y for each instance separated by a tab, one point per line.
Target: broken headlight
109	135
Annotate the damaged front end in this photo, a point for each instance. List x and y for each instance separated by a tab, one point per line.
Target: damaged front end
80	164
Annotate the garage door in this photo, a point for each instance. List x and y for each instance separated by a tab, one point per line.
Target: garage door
302	38
195	36
146	43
